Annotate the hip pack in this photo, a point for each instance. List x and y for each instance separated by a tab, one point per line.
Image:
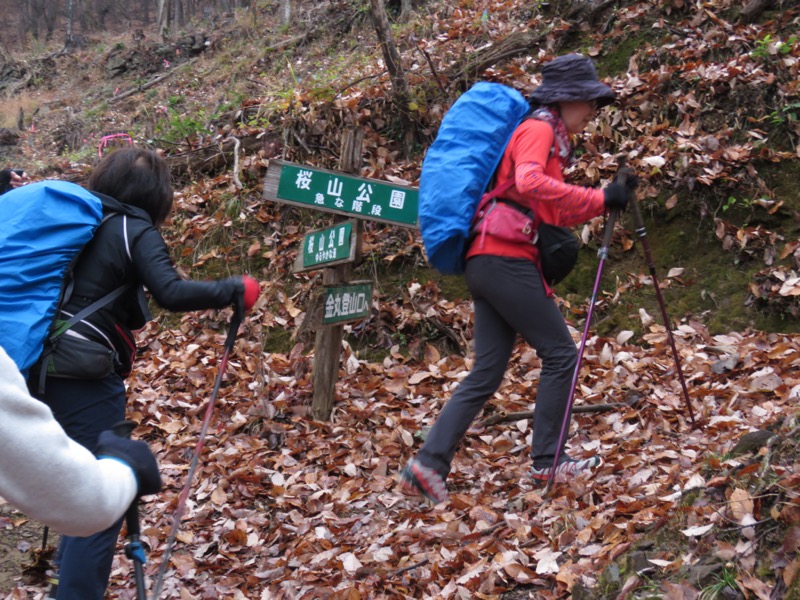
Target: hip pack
506	220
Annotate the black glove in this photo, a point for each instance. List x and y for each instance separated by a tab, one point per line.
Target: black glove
630	179
616	196
5	179
238	295
134	453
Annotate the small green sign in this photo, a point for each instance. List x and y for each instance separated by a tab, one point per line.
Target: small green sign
339	193
327	245
346	303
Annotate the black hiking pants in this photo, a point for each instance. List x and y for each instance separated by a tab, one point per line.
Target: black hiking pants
84	408
509	298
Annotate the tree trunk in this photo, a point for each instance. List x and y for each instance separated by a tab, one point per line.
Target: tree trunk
753	9
29	18
286	12
82	15
177	15
50	17
162	17
70	23
391	57
474	64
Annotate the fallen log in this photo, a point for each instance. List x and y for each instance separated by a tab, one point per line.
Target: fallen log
513	45
151	83
753	9
214	158
632	400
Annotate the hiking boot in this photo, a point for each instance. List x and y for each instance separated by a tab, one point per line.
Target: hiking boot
569	466
416	478
53	592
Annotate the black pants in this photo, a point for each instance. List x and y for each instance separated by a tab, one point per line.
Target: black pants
509	298
84	409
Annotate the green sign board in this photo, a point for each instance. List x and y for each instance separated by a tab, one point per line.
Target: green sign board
343	194
333	244
346	303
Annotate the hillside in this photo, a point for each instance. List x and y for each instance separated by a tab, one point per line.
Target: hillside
285	506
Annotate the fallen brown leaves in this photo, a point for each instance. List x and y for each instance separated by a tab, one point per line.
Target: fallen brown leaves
286	507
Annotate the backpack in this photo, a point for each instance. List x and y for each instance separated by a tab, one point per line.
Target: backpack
459	166
43	228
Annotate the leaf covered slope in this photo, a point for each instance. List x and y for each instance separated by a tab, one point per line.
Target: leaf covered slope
287	507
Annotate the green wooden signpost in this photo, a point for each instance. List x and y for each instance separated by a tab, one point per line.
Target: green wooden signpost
344	303
343	194
334	248
328	247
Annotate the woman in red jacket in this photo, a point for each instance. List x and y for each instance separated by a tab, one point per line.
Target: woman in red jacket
506	285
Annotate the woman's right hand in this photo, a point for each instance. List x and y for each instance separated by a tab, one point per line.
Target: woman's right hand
247	293
618	193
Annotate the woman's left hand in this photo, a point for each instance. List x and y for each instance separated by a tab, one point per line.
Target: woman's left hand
19	178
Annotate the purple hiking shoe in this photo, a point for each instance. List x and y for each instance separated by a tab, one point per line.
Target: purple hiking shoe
416	479
569	467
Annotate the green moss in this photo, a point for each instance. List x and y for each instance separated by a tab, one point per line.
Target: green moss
617	54
279	340
783	179
453	287
793	593
713	288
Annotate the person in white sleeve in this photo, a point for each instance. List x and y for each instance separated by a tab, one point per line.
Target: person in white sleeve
57	481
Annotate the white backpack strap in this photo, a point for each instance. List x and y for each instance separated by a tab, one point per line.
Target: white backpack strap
125	236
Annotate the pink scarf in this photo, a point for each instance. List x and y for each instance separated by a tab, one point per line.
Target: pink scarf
563	143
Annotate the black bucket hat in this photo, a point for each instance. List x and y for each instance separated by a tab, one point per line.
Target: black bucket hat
571	78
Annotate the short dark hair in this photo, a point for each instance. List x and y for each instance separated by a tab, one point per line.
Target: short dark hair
137	177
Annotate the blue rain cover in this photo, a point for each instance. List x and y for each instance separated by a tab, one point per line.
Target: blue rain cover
43	226
459	165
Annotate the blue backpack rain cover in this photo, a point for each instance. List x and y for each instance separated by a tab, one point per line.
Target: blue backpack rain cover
459	166
43	226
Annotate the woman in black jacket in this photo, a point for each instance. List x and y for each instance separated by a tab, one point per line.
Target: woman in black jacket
126	253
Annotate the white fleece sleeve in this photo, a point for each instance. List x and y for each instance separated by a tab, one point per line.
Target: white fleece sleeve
48	476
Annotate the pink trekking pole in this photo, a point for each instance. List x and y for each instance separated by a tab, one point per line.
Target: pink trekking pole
184	495
602	253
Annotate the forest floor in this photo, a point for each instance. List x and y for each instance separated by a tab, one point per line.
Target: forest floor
20	548
285	506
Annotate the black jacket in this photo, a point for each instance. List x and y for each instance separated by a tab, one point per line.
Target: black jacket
127	249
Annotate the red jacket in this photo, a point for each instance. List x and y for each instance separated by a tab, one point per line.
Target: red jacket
539	185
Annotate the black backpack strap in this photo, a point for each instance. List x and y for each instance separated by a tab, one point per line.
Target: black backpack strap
91	309
66	325
69	282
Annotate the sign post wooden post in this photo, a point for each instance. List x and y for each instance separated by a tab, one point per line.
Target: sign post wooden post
327	351
328	345
346	196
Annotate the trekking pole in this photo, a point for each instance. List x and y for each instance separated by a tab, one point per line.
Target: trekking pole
133	549
184	495
642	233
602	253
